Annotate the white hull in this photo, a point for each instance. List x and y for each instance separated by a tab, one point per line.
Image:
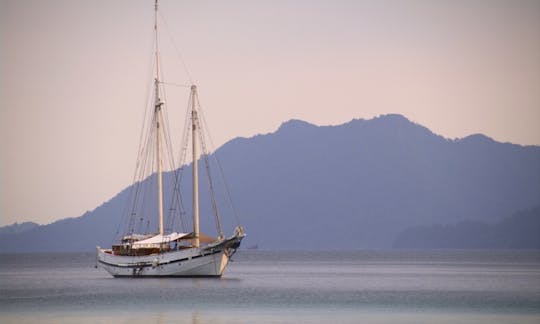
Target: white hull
209	261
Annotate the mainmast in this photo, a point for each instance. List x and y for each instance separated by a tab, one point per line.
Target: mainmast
157	111
194	125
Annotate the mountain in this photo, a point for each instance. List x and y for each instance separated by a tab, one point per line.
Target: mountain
356	185
519	231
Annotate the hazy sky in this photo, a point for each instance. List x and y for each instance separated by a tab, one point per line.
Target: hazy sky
74	78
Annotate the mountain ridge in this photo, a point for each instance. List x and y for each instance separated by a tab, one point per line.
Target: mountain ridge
17	228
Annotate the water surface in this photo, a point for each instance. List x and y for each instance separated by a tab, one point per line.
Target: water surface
382	286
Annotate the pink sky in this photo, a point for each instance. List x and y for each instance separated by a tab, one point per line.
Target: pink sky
74	77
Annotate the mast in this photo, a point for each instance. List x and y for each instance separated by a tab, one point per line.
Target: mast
194	120
157	112
159	158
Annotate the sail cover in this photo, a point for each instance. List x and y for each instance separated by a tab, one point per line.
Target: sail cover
158	239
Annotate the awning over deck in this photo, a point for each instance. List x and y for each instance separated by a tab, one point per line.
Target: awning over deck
159	239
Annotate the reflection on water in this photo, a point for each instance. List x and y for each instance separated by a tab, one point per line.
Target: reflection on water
271	286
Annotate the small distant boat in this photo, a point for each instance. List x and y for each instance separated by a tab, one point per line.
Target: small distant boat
173	254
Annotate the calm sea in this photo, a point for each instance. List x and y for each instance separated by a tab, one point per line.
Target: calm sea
382	286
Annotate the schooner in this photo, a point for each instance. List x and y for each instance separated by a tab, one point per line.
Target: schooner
172	254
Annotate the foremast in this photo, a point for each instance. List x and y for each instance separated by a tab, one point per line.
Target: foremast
157	115
159	153
194	127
